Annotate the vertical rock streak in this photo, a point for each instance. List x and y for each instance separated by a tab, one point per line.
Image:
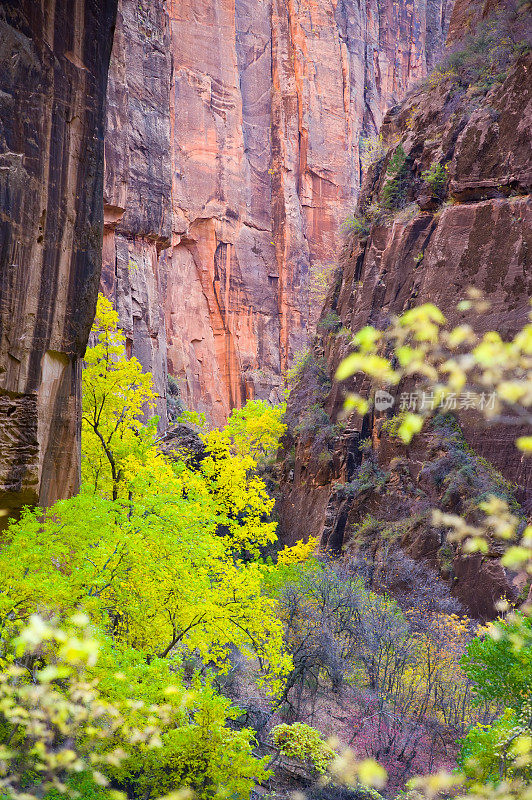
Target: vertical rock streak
242	166
53	71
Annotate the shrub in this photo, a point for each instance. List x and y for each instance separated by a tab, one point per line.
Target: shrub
78	714
360	225
174	404
303	743
52	714
315	418
436	177
331	322
499	662
368	476
372	150
394	189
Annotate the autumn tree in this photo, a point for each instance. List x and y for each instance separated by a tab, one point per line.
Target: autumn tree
116	395
255	429
163	557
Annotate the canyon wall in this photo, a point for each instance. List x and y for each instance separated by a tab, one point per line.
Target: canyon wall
232	158
350	482
53	71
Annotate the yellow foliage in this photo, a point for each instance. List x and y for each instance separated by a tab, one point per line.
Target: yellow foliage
299	552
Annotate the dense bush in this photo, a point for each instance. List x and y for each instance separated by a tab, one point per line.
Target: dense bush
436	177
303	743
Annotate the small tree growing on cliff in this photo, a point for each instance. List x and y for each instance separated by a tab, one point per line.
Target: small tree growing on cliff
116	393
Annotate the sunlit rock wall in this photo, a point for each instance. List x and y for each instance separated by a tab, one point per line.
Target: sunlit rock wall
233	148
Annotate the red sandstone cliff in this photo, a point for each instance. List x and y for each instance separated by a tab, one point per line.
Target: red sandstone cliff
53	72
138	181
475	118
232	158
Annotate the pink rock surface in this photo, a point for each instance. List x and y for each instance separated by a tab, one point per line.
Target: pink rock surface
233	136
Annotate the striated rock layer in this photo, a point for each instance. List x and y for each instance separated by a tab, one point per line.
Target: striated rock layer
53	70
232	158
138	181
477	232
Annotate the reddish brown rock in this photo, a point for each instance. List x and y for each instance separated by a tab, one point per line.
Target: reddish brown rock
478	232
266	107
53	72
138	182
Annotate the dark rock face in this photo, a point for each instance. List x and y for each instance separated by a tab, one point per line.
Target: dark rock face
138	182
183	442
475	232
237	176
53	73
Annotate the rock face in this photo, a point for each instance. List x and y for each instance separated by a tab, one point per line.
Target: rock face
475	231
138	181
53	71
232	159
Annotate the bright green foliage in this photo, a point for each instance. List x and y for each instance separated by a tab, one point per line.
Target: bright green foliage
502	671
393	191
304	743
116	393
164	558
47	705
205	755
83	784
396	162
436	177
194	746
160	570
482	748
500	664
255	429
98	713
